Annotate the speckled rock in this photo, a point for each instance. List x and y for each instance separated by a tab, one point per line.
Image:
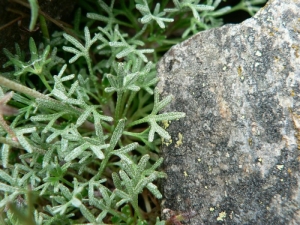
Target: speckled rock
234	159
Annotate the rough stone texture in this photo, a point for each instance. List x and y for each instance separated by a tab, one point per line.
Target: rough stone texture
234	159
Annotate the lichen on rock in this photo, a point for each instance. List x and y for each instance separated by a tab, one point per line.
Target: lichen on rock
239	87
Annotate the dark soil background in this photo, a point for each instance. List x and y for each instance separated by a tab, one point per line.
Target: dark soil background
15	18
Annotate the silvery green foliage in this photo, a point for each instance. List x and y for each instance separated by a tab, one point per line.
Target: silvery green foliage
143	7
56	144
40	63
80	50
190	5
152	118
86	148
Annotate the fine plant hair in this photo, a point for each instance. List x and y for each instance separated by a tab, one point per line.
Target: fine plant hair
80	116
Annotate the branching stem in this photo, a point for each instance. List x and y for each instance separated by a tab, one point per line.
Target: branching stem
21	88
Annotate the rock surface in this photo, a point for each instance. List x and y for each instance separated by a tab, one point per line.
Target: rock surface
234	159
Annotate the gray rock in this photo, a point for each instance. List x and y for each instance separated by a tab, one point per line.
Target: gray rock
234	159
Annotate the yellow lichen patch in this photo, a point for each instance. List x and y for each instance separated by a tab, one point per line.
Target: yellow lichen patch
165	124
292	93
239	71
185	173
296	29
222	216
296	48
260	160
296	121
199	160
287	140
179	142
211	209
250	141
279	167
168	142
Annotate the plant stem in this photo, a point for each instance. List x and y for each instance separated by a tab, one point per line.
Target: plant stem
43	79
67	182
21	88
134	204
89	63
7	128
128	103
16	144
35	94
118	107
103	166
93	77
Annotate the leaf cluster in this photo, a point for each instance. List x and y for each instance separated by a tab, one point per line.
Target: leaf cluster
80	141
